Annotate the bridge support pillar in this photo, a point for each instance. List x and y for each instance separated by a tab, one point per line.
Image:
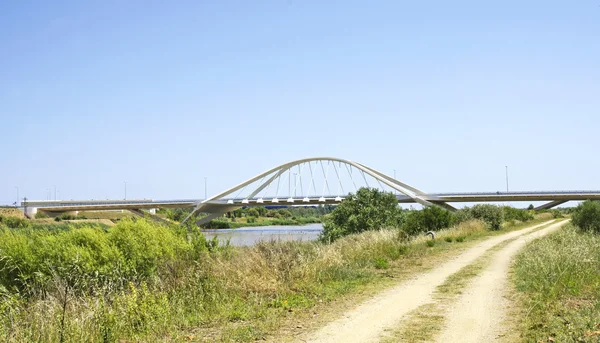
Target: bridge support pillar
550	205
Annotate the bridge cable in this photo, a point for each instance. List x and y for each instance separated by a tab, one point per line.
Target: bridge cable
312	179
349	169
339	180
365	178
325	175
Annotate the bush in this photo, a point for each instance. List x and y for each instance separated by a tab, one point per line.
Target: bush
511	213
492	215
14	222
217	224
463	215
368	209
132	250
586	216
429	219
252	212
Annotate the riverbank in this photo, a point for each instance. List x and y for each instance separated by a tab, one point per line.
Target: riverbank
260	221
153	284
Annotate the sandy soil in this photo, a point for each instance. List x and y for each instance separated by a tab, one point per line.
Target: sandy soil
479	315
369	320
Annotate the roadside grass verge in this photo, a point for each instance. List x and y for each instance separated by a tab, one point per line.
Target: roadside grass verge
557	281
78	286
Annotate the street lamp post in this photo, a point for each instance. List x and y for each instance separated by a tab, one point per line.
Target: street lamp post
125	182
506	178
54	192
205	189
17	187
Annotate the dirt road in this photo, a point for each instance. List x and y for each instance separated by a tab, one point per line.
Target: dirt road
480	313
369	320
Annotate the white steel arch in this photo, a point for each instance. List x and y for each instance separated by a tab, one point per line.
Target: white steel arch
213	206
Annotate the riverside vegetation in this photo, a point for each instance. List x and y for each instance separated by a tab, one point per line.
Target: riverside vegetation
139	281
558	282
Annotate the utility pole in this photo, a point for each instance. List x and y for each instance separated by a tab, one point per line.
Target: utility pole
125	182
506	178
205	189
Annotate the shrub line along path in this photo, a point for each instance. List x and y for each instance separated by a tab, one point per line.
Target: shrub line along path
369	320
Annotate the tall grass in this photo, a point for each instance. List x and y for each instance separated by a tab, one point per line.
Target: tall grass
559	280
138	281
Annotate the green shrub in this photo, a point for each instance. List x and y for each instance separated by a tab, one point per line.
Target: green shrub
382	263
460	238
428	219
251	220
14	222
586	216
132	250
216	224
556	214
511	213
448	239
430	243
463	215
492	215
368	209
252	212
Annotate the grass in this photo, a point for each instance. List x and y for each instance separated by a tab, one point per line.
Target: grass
195	290
557	281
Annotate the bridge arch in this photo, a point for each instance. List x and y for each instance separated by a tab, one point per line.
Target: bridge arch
222	202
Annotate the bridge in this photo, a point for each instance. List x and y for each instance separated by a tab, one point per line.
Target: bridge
310	181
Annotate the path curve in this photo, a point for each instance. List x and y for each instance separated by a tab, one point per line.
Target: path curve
368	321
480	312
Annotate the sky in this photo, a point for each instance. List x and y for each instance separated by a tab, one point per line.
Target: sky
161	94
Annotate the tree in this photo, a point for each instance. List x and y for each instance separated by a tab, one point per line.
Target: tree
252	212
368	209
587	216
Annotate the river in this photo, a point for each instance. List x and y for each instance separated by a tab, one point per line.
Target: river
247	236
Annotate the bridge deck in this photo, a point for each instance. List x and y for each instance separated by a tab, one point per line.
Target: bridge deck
90	205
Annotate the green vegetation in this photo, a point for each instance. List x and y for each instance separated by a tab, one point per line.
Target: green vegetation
14	222
368	209
429	219
558	278
253	216
587	216
138	281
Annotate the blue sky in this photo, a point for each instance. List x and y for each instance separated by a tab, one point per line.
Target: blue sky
162	94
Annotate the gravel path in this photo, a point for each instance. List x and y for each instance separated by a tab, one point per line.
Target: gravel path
369	320
480	312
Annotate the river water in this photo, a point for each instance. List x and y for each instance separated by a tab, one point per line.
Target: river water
247	236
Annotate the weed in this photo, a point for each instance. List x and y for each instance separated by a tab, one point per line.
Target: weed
382	263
